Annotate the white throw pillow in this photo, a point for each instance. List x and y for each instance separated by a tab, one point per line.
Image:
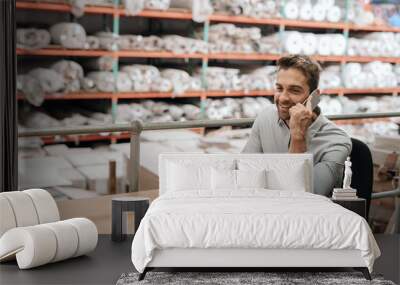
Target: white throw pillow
231	180
251	179
183	177
223	179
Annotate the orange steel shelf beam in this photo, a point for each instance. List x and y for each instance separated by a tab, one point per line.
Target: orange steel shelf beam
57	51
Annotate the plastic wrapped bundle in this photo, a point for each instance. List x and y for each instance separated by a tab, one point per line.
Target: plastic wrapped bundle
103	63
161	85
123	83
254	8
191	112
142	76
269	44
108	41
39	120
293	42
201	9
134	7
50	80
130	42
259	79
69	35
179	45
72	73
330	77
180	79
31	89
152	43
92	42
219	78
310	43
306	11
291	10
103	80
32	38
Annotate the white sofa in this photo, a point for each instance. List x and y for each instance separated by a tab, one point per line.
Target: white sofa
31	231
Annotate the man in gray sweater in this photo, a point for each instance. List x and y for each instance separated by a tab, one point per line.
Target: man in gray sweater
292	126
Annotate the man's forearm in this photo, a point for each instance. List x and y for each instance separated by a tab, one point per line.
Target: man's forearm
297	144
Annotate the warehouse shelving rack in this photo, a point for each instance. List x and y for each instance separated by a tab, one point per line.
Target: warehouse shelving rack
177	14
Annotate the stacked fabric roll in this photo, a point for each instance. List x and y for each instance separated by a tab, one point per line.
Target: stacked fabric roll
32	38
373	74
320	10
330	77
375	44
229	108
255	8
307	43
229	38
368	104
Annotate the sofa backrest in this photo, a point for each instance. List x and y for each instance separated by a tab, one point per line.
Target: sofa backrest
284	171
26	208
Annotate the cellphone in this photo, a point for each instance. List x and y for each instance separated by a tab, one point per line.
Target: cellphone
313	98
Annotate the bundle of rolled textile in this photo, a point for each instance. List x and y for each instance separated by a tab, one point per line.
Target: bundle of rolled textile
32	38
134	7
229	38
152	111
269	44
201	9
50	80
255	8
373	74
104	81
330	77
178	44
344	105
31	89
228	108
72	73
102	63
78	6
375	44
108	40
258	79
220	78
307	43
180	79
143	77
319	10
69	35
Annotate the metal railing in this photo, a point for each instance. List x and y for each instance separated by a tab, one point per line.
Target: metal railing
136	127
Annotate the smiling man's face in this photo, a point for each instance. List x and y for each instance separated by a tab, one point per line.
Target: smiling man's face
291	88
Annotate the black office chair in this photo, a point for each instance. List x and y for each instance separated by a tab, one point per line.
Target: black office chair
363	171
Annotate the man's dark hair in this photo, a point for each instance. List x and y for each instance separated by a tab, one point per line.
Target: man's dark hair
309	67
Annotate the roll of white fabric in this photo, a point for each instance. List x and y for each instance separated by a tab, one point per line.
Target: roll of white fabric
50	80
319	12
92	42
72	73
293	42
69	35
124	83
269	44
334	14
103	63
352	46
87	235
156	4
291	10
306	11
103	80
338	44
23	207
161	85
45	205
133	7
7	216
31	89
32	38
324	45
35	245
310	43
201	10
180	79
67	240
108	41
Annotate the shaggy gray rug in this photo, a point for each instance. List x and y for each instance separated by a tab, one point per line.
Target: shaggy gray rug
229	278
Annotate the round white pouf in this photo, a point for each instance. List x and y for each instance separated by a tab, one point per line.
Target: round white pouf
45	205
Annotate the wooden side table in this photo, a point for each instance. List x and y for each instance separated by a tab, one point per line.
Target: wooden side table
138	205
358	205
